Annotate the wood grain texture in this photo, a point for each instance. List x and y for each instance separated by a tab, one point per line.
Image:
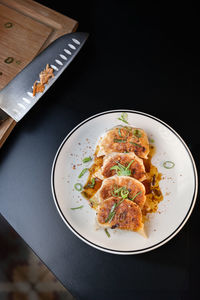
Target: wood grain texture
21	41
26	28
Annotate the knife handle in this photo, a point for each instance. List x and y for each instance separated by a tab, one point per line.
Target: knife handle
5	129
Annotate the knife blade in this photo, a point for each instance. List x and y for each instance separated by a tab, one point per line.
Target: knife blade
16	99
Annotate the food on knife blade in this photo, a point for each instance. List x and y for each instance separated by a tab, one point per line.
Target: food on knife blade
116	212
124	139
122	164
45	75
124	187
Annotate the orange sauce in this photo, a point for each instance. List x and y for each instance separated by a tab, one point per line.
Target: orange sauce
153	192
88	191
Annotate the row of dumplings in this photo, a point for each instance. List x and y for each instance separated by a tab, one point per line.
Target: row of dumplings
121	196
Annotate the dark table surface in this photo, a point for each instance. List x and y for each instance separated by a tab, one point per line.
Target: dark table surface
139	56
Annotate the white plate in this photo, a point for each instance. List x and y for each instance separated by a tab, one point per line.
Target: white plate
179	185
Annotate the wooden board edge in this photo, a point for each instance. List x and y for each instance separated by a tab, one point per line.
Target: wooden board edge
48	17
5	129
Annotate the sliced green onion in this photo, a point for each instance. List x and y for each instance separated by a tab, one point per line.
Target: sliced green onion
78	207
92	184
135	196
119	131
112	211
122	170
78	187
86	159
130	164
124	118
115	168
116	191
137	145
120	192
119	202
92	201
137	133
151	140
82	172
120	140
168	164
124	193
107	233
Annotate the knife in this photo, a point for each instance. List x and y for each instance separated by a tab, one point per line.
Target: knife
16	99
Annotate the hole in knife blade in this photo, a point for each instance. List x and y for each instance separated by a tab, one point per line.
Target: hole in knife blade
30	94
26	100
76	41
58	62
21	105
63	56
67	51
72	46
54	67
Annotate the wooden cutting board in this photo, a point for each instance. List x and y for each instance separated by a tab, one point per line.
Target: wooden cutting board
26	28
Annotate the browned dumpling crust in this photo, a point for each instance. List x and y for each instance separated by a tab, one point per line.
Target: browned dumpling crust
133	164
125	139
120	185
117	213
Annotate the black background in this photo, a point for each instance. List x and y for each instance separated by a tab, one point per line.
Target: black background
139	56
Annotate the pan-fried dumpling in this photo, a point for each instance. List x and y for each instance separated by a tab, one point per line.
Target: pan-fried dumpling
122	164
124	139
120	213
122	186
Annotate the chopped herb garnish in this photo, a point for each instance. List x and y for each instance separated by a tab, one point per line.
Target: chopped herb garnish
112	211
137	145
122	170
120	192
78	207
92	201
115	192
107	233
124	193
86	159
168	164
137	133
124	118
78	187
92	184
135	196
82	172
120	140
119	131
151	141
